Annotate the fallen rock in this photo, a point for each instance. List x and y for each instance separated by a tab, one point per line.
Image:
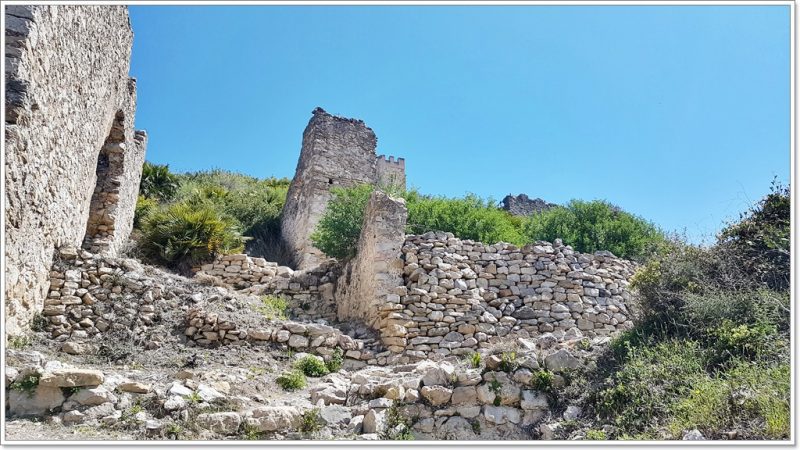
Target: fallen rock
273	418
374	422
136	388
561	360
71	378
41	400
223	422
93	396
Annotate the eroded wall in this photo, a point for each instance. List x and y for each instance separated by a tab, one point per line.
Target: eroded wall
66	84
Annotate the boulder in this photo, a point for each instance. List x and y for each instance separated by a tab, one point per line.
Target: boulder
93	396
273	418
35	403
374	422
436	395
561	360
465	395
438	374
71	378
136	388
223	422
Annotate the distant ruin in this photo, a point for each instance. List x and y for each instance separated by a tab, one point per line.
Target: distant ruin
336	152
73	158
522	205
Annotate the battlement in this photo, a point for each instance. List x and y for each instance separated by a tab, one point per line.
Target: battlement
383	159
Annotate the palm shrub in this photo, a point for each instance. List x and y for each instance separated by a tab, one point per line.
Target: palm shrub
157	182
183	235
589	226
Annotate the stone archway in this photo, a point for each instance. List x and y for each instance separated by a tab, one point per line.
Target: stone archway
100	226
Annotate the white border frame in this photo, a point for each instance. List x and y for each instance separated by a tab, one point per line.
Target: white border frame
430	444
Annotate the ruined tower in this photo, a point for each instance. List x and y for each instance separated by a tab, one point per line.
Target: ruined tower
336	151
73	158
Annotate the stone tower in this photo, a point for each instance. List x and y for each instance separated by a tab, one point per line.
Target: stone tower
73	158
336	151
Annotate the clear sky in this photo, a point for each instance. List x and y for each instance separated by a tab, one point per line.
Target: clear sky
680	114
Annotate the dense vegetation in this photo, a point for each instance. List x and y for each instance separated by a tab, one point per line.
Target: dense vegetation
188	219
587	226
711	346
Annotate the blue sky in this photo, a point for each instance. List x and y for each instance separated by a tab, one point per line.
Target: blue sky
680	114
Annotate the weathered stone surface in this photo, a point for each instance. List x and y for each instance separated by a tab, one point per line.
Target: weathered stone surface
336	152
436	395
134	387
522	205
93	396
52	200
273	418
534	400
223	423
499	415
561	360
40	401
71	378
374	421
464	395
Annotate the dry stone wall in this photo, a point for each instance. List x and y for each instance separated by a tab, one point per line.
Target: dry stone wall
336	152
461	294
70	108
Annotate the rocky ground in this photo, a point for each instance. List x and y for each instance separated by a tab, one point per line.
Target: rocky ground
170	370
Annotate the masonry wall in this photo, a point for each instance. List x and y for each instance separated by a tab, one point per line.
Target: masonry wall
66	85
370	280
461	294
336	152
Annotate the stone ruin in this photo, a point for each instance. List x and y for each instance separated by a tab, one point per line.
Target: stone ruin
336	152
522	205
423	295
73	158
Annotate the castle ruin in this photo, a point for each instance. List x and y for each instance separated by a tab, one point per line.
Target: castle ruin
73	158
336	152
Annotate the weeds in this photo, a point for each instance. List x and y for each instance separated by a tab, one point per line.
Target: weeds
19	342
28	383
475	360
311	421
292	380
273	307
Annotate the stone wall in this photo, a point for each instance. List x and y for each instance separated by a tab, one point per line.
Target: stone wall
366	290
309	293
336	152
460	294
70	108
522	205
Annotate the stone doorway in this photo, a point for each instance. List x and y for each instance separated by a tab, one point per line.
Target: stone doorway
103	208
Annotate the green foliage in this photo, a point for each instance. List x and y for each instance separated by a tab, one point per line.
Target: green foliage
336	361
589	226
596	435
762	236
291	380
311	421
194	398
751	398
398	427
157	182
27	383
542	380
469	217
475	360
311	366
144	207
508	362
585	344
273	307
184	235
338	230
19	342
39	322
647	384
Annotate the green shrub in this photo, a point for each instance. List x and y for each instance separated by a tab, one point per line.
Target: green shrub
398	428
762	237
592	226
641	392
157	182
475	360
750	398
311	421
27	383
311	366
336	361
542	380
469	217
273	307
144	207
291	380
183	235
596	435
339	228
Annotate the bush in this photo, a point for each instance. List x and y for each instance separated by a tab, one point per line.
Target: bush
595	225
291	380
339	228
752	399
336	361
157	182
762	238
144	207
184	235
273	307
311	366
641	393
542	380
311	421
469	217
596	435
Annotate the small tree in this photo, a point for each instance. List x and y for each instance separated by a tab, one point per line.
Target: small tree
338	231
